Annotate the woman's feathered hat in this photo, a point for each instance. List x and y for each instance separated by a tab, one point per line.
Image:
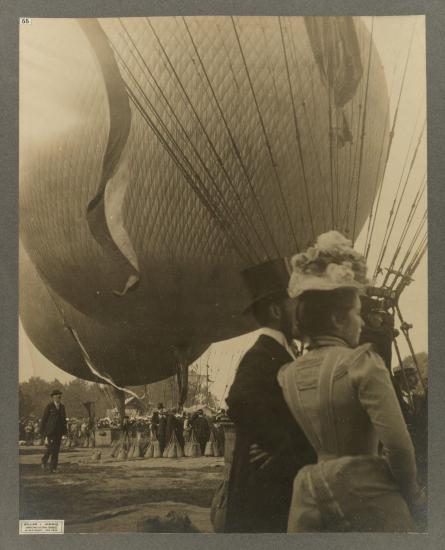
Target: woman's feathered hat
331	263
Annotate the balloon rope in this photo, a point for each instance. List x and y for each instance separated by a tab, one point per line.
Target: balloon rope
404	277
218	192
229	133
408	225
266	138
310	120
396	205
363	133
297	132
392	132
417	256
375	204
196	186
353	165
331	167
190	142
87	359
401	270
90	365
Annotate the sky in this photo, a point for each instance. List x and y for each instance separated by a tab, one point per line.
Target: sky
392	37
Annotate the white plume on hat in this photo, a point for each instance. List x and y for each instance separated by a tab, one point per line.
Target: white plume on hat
331	263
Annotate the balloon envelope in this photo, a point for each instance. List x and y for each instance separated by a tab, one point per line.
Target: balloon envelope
212	143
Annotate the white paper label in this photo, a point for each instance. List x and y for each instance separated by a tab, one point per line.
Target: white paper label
41	527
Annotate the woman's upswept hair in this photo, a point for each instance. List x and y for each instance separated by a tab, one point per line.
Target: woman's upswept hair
316	308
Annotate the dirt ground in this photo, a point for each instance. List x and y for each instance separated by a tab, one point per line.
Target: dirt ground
111	496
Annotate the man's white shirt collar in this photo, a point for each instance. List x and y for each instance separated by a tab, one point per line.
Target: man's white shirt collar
279	337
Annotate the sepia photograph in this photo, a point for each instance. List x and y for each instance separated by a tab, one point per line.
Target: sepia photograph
223	284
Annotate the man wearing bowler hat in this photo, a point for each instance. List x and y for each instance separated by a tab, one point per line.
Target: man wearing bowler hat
270	447
53	427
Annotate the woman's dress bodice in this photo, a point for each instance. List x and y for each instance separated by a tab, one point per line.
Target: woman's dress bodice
344	401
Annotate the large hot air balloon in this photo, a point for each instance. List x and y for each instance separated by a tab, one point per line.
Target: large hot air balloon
161	156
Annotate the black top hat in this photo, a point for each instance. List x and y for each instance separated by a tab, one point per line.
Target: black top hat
56	392
265	280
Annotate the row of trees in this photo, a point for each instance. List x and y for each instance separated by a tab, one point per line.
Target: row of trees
34	395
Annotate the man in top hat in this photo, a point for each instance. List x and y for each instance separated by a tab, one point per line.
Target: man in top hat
53	427
270	447
201	428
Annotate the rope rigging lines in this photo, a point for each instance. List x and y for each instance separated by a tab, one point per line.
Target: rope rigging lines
182	161
230	135
221	211
395	208
99	374
408	224
362	136
391	137
353	164
266	138
380	187
297	131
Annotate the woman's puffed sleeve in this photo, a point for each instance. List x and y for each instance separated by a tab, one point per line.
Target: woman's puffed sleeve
377	396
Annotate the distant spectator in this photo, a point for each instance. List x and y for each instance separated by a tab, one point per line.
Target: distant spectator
201	428
53	427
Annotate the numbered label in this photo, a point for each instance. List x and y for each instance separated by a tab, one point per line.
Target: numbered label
25	21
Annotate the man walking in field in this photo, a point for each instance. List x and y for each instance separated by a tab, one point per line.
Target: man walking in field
53	427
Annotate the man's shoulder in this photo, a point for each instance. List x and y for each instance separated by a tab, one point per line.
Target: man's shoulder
263	346
265	351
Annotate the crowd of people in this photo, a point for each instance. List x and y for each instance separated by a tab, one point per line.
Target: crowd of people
169	433
162	425
80	432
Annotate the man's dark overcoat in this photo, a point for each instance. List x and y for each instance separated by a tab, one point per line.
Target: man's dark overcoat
259	499
202	431
53	427
53	421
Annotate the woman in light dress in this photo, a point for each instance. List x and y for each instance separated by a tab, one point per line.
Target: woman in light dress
342	396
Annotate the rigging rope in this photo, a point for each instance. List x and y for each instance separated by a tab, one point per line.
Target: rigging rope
352	167
297	132
380	187
197	186
210	143
398	200
418	255
85	355
400	269
392	133
406	275
230	135
365	110
210	176
309	120
266	138
405	229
